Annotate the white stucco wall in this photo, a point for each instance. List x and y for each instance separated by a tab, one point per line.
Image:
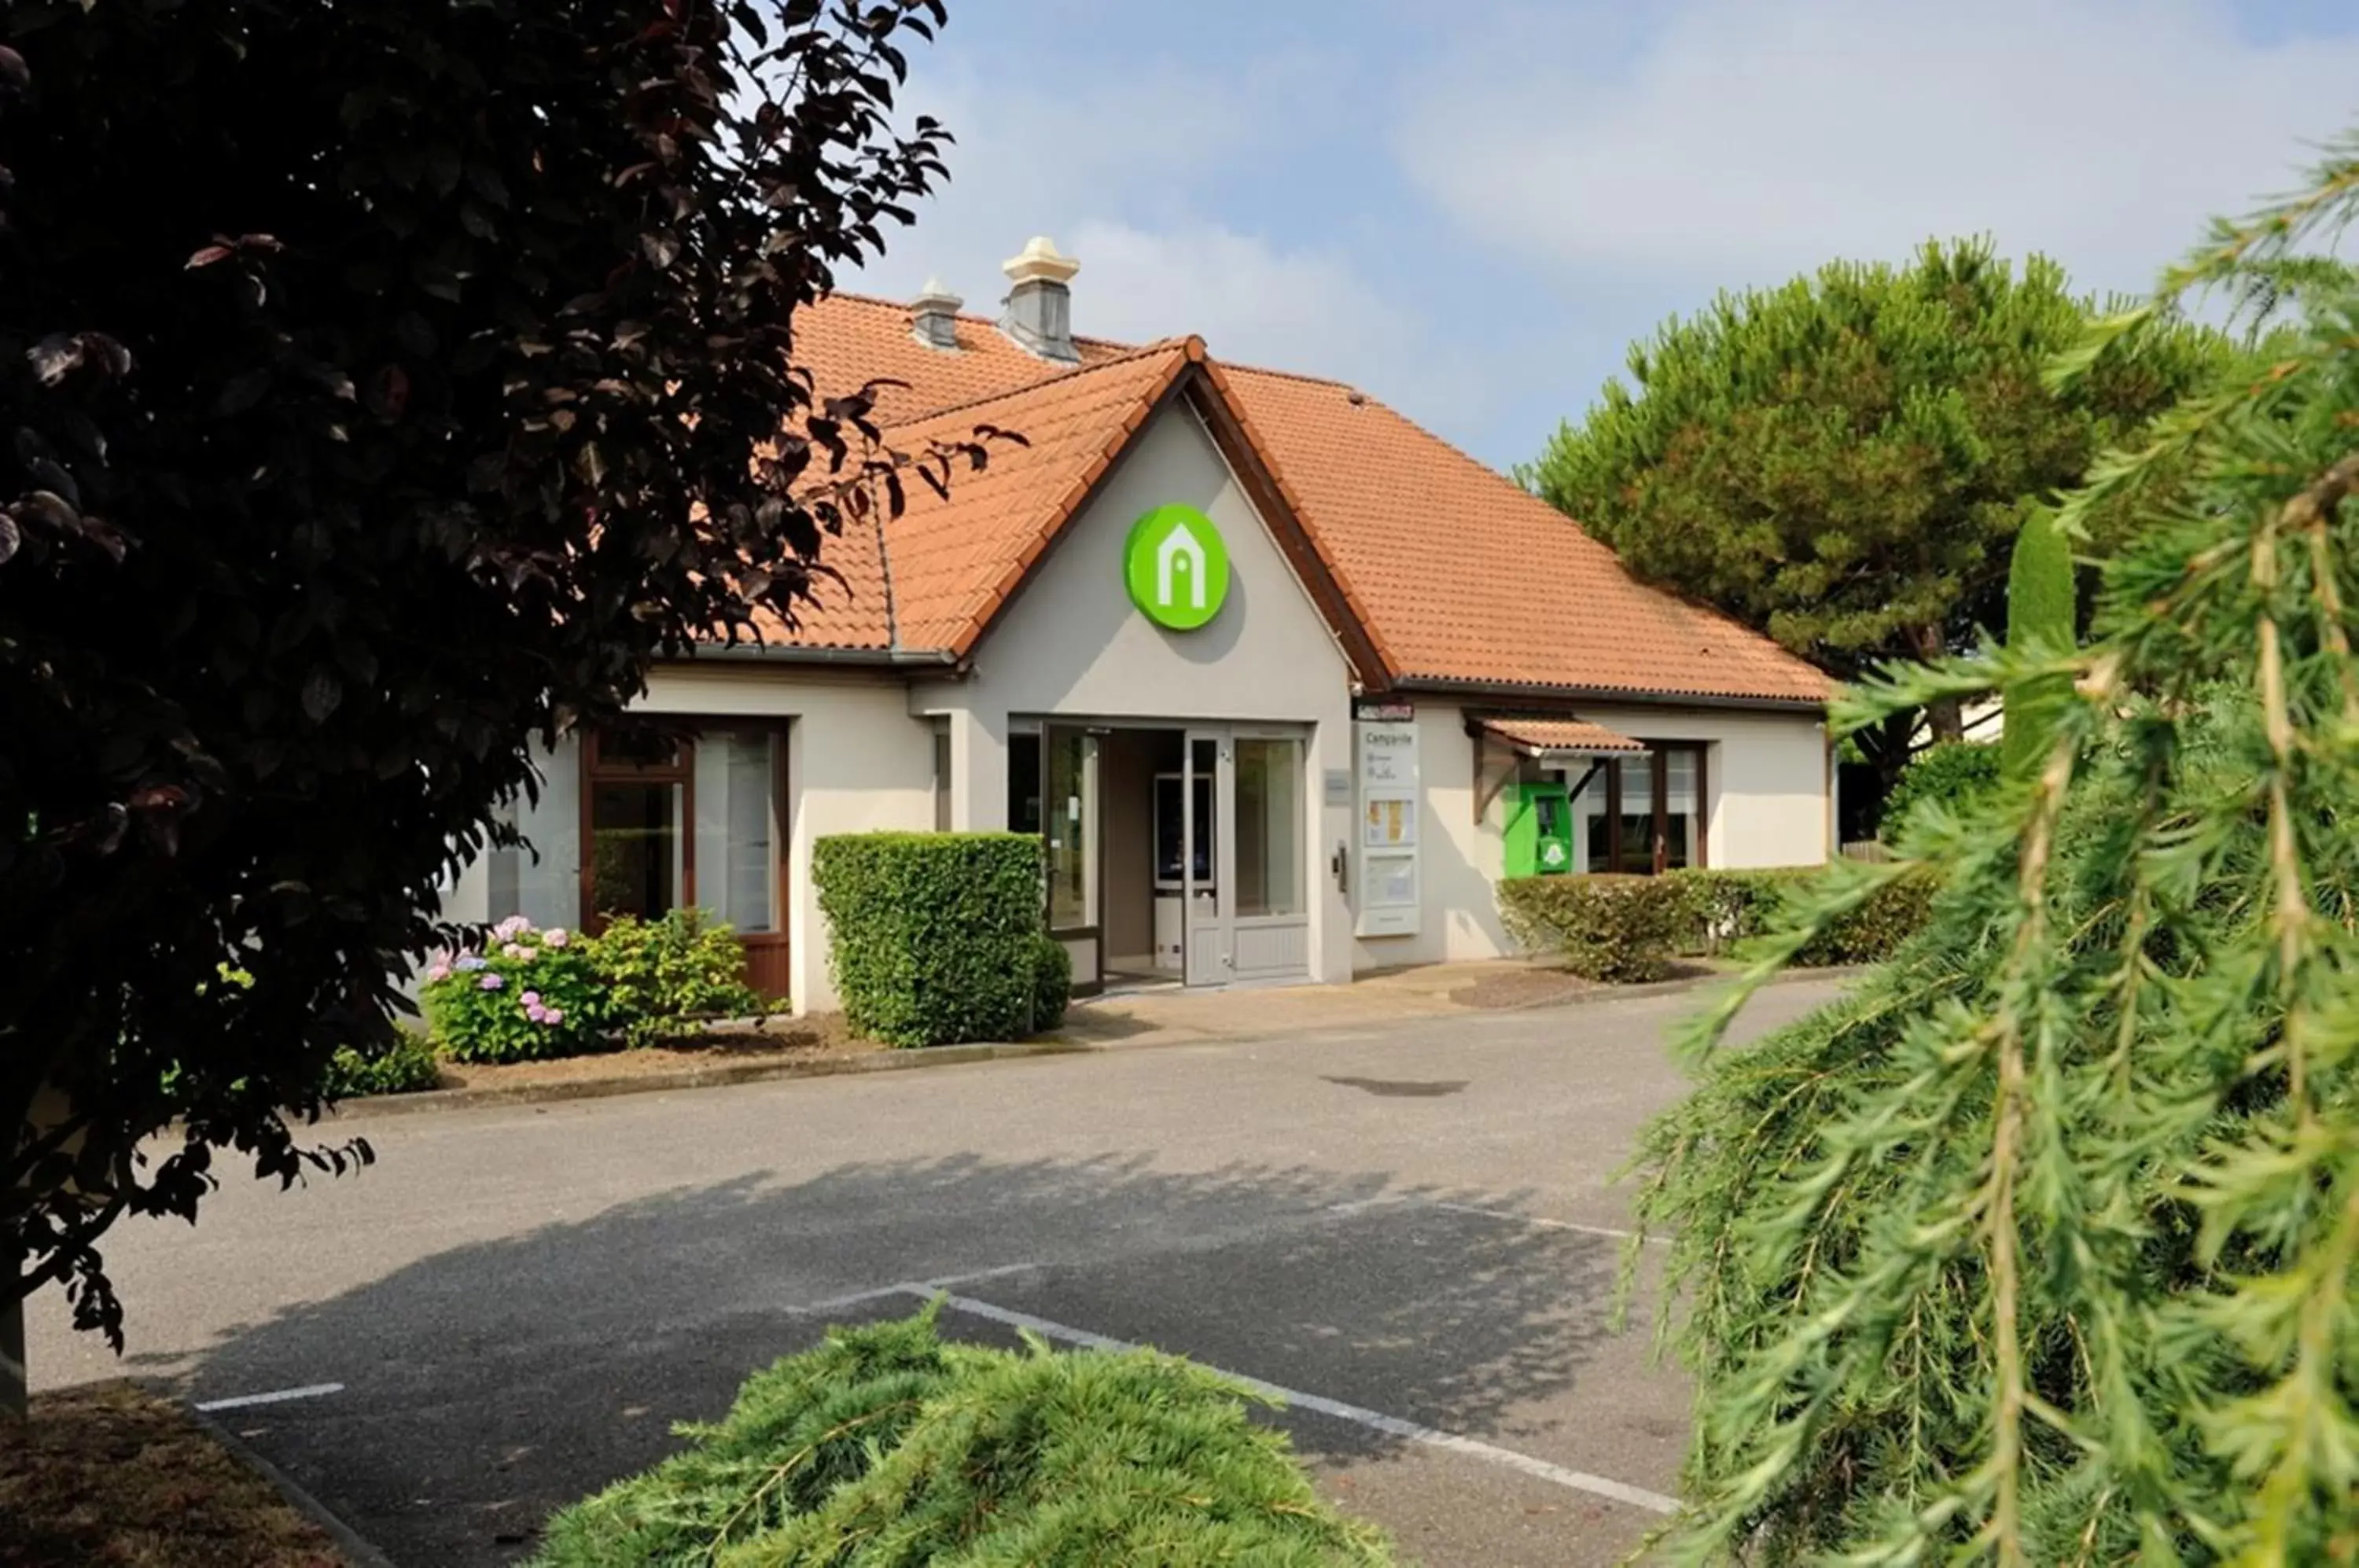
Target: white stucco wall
1765	779
856	762
1073	646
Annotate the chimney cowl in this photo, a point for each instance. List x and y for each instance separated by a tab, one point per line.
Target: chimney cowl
933	316
1040	300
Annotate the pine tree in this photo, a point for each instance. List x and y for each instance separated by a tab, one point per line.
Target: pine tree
2039	1248
883	1447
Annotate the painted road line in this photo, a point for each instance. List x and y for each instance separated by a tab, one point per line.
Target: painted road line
1001	1272
1473	1448
1511	1216
275	1397
902	1288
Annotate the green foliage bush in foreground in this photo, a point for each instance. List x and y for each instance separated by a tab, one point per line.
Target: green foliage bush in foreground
935	937
886	1448
658	977
2041	1246
1628	929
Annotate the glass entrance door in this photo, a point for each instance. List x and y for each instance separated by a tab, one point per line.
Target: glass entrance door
1068	809
1208	891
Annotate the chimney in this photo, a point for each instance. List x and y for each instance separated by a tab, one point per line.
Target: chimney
1041	302
933	316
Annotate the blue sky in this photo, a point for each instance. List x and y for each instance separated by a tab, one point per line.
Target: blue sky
1472	210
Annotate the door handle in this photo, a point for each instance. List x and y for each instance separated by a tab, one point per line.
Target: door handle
1340	866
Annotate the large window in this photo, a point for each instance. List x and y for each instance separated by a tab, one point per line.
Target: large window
628	826
638	851
1640	815
736	788
1269	827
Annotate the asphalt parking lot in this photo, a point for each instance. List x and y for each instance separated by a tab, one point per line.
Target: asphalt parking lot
1408	1228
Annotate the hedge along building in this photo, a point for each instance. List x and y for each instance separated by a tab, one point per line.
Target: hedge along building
1281	678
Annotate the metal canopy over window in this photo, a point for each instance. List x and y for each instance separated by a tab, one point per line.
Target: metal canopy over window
1509	746
1640	805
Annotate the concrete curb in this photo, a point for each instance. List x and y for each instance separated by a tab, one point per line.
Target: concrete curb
895	1061
887	1060
357	1549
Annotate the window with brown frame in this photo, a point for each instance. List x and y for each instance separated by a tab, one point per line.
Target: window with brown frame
1646	814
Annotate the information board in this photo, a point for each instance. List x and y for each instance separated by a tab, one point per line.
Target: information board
1386	769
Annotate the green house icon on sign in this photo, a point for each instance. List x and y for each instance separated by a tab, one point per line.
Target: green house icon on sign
1176	567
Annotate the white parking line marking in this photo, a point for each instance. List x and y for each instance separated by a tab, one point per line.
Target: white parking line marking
277	1397
999	1273
1536	1220
1473	1448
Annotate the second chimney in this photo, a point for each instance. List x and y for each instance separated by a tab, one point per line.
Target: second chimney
1040	300
933	316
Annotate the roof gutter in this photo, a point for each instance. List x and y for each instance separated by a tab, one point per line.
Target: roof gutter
779	653
1445	685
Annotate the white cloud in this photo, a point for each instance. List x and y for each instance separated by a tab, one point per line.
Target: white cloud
1123	173
1739	141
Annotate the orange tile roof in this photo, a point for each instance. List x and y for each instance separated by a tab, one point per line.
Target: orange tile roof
954	562
1469	579
1457	575
1536	737
848	339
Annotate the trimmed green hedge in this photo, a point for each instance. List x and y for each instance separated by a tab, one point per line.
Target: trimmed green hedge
1628	929
936	937
1606	927
1052	983
886	1448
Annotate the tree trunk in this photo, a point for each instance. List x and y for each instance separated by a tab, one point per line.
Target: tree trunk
1885	746
1945	718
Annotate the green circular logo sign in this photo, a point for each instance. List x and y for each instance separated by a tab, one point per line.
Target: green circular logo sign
1176	567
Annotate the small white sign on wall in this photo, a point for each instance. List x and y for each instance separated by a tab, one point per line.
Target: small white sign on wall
1388	780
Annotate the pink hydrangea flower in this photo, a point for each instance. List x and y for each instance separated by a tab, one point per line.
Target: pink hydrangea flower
555	936
516	950
437	975
530	999
552	1014
510	928
490	981
537	1013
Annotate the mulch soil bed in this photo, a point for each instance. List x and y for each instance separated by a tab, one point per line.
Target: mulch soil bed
114	1475
775	1039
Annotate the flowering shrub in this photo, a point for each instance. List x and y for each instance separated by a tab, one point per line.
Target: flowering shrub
660	976
534	994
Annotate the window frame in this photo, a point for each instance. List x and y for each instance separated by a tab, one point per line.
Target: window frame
1656	750
597	768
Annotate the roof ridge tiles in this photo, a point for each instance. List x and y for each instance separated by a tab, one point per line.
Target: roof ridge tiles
1191	346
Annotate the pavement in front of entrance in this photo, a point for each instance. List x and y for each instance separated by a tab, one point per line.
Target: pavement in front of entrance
1403	1223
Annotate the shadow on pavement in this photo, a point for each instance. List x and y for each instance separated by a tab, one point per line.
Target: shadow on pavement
489	1383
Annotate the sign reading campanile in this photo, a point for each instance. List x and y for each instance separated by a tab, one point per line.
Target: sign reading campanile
1176	567
1384	742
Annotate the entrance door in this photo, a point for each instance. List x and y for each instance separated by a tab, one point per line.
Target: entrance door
1068	809
1207	898
1268	881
